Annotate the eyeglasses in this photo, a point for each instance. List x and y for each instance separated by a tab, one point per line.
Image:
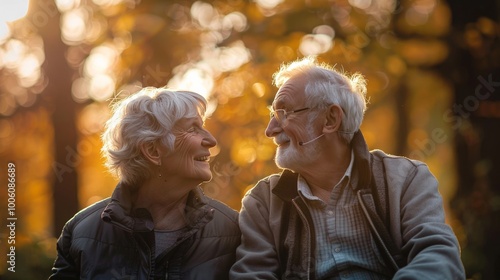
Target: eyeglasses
281	114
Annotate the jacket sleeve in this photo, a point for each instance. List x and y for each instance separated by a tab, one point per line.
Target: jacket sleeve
256	256
430	244
64	265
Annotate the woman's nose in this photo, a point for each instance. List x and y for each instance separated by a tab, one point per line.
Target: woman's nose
209	140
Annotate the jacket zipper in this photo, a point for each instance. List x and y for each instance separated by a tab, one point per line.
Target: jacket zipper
166	270
377	235
306	223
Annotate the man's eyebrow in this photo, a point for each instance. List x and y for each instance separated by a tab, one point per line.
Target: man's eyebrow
278	103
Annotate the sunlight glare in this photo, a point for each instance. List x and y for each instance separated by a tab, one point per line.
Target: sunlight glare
74	26
102	87
259	89
324	29
67	5
268	4
4	32
314	44
420	11
204	13
29	70
100	61
13	10
104	3
244	151
14	52
197	79
232	57
236	21
361	4
80	90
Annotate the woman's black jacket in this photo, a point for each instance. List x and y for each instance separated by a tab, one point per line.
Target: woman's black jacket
107	241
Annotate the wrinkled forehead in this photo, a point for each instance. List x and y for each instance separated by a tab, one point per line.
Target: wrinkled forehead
291	93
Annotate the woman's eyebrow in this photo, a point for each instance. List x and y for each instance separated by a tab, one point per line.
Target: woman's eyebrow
186	122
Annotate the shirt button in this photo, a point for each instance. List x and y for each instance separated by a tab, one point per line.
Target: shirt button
330	212
337	249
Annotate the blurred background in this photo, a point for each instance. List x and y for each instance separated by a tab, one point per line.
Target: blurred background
433	70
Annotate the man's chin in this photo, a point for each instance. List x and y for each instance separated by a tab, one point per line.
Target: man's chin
291	159
279	164
283	162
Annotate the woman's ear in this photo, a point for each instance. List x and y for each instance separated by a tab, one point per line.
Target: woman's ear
334	118
151	152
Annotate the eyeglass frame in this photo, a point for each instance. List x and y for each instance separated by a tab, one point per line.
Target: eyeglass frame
273	113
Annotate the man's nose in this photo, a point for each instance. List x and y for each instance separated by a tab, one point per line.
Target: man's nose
273	128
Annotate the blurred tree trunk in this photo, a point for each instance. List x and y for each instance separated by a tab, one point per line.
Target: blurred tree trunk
57	96
475	71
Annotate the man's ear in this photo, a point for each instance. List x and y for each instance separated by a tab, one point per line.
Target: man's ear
151	152
334	118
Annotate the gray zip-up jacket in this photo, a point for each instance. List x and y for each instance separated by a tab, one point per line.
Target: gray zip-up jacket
414	206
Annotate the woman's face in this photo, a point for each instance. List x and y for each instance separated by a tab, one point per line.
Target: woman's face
189	161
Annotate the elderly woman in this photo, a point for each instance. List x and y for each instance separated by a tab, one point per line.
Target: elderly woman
158	224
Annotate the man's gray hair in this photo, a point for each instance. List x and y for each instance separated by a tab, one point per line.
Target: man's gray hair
145	118
326	86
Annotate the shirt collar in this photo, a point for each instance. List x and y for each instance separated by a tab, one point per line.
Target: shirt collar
303	187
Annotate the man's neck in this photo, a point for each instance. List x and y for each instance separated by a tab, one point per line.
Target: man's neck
327	172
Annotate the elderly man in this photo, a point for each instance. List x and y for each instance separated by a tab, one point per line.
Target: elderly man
338	211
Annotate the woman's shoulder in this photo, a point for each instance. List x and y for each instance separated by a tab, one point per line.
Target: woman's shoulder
91	212
222	210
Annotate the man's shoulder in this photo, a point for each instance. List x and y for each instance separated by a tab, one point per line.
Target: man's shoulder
400	169
262	192
264	185
395	161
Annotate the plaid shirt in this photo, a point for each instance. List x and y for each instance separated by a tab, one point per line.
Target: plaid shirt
345	248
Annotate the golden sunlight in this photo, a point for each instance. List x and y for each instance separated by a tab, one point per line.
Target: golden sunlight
11	11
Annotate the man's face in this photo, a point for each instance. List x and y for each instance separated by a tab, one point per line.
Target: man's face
296	128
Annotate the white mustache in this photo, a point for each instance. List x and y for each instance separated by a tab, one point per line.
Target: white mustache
281	138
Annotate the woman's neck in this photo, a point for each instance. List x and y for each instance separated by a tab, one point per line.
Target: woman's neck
165	203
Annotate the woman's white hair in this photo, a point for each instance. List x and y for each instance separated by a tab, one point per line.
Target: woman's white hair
326	86
145	118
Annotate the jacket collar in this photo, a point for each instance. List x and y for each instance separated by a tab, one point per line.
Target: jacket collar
120	213
286	188
362	162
